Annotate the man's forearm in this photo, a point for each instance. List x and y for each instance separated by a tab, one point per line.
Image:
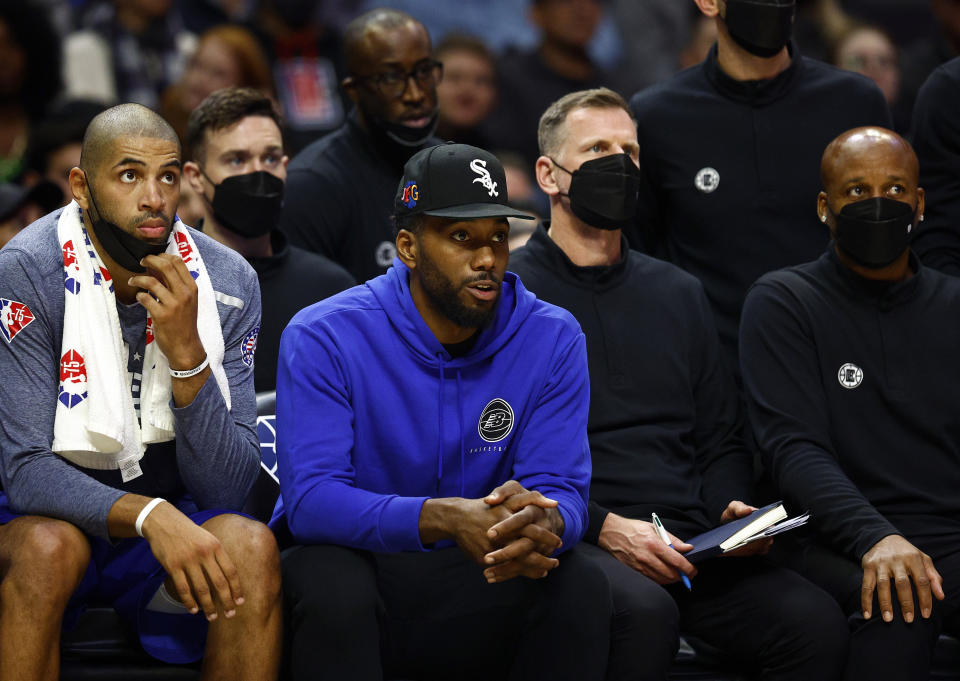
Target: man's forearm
121	521
185	389
437	519
219	457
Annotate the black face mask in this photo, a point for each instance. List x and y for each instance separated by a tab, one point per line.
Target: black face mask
404	135
760	27
248	204
604	191
125	249
875	232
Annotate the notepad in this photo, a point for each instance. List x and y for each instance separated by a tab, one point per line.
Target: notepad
761	524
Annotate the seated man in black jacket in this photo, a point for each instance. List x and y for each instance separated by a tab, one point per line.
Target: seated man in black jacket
664	422
238	167
850	365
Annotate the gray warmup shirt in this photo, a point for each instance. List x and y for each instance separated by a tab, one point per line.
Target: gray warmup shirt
215	457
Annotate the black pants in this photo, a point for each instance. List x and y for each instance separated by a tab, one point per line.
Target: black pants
767	619
878	649
357	615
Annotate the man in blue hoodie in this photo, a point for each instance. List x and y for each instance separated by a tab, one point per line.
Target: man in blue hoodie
438	406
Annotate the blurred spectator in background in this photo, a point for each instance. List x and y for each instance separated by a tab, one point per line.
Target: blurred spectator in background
869	51
238	167
340	189
819	24
504	24
652	33
904	20
54	148
202	15
19	206
918	60
530	80
226	56
468	91
936	139
307	59
702	37
29	78
126	51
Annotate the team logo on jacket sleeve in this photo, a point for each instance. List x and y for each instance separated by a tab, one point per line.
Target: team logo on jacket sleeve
850	376
496	420
14	318
73	379
248	346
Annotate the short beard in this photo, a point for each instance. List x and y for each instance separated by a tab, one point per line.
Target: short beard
444	295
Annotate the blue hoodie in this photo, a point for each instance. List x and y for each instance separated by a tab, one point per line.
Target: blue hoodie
374	417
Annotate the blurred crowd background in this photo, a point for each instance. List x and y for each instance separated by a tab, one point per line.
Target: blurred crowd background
504	61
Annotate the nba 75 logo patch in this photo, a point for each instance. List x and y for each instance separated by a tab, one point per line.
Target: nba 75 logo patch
496	420
14	318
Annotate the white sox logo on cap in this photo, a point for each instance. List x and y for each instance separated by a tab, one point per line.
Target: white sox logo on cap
480	168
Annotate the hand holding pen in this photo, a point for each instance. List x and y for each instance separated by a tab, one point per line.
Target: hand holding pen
666	540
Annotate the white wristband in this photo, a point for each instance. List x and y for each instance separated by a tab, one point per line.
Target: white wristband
191	372
152	504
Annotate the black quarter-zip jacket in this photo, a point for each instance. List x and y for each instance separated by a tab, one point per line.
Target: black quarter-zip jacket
731	171
664	422
853	388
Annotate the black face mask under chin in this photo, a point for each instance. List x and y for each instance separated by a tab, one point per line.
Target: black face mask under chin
400	141
875	232
761	27
248	204
125	249
604	191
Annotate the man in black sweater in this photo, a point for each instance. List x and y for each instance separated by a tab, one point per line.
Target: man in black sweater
850	367
340	188
238	166
730	150
664	422
936	139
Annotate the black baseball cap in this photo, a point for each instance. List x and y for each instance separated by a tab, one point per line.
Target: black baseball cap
454	181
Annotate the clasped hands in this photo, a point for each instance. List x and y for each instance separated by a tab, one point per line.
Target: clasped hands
512	531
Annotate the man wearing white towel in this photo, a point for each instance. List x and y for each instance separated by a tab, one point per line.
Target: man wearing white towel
127	408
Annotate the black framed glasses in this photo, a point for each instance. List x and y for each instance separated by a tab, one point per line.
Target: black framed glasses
392	84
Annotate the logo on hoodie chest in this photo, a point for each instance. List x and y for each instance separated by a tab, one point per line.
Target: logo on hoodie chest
496	420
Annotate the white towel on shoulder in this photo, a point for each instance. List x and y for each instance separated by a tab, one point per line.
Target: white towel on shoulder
96	422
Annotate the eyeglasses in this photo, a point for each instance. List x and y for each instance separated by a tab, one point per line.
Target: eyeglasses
392	84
